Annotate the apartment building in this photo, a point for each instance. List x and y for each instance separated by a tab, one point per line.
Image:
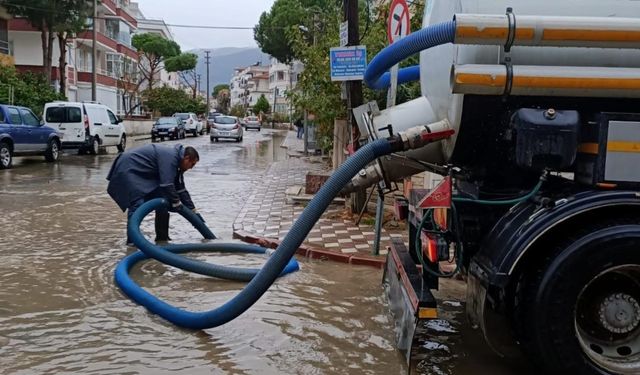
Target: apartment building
5	50
156	26
248	84
282	78
116	58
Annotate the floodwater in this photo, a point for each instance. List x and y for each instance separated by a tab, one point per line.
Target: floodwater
60	311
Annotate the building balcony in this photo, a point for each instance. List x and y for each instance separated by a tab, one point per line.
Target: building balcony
108	6
127	51
102	78
103	40
127	17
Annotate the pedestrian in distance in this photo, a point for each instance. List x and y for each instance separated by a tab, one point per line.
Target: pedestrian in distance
300	127
148	172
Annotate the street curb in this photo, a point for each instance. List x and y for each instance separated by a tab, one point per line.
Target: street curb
312	252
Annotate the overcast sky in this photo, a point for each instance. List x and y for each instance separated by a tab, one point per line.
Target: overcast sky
211	13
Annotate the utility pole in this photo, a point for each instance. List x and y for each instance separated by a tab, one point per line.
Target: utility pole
207	60
94	54
354	91
198	86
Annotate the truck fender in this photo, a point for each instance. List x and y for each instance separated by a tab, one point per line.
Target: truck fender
507	250
518	231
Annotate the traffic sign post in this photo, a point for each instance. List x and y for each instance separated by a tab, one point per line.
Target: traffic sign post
398	26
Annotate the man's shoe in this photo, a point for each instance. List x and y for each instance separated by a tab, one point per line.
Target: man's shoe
162	239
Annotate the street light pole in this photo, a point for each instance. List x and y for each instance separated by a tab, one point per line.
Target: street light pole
207	61
94	52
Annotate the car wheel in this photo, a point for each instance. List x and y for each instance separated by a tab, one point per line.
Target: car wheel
195	133
259	129
153	139
95	146
53	151
123	143
6	156
161	139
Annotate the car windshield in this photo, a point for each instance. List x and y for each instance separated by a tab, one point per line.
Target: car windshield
214	115
252	118
182	116
225	120
166	121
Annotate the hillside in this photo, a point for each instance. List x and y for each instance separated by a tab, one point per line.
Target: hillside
225	60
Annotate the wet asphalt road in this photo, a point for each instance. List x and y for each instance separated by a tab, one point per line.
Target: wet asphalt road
60	311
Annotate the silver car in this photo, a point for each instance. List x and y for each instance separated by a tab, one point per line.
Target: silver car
252	122
226	127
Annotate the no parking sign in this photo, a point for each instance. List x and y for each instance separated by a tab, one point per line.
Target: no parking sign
398	25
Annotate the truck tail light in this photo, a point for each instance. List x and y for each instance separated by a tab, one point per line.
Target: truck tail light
86	122
435	248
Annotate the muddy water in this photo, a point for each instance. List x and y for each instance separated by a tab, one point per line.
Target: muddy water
60	311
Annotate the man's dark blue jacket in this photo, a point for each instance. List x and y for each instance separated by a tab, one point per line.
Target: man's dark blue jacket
149	168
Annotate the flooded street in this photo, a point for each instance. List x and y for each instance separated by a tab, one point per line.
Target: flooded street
60	311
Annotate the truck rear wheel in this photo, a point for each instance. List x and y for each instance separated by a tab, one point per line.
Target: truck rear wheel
580	311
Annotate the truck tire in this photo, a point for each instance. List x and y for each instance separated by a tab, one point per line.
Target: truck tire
53	151
6	155
123	143
579	311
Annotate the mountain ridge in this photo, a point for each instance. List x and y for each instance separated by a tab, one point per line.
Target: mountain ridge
224	61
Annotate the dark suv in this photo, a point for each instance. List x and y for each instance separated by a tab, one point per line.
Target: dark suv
21	133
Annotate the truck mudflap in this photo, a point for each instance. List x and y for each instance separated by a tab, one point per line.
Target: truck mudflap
410	299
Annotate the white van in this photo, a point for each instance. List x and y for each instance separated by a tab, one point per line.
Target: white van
85	126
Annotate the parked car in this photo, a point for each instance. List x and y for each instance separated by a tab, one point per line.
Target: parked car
85	126
167	127
252	122
226	127
210	117
22	133
191	123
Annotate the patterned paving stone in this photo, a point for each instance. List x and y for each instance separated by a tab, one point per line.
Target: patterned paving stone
268	213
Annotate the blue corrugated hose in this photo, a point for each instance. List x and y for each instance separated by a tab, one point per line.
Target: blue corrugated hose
275	266
431	36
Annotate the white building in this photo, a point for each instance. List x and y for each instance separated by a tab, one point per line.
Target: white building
116	58
248	84
156	26
282	78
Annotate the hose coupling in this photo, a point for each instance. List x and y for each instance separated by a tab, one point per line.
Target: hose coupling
422	135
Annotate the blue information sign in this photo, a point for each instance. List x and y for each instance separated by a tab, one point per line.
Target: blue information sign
348	63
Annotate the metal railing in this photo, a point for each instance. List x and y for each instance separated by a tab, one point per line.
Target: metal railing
5	47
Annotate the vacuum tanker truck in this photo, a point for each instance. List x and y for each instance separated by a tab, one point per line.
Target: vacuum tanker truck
539	209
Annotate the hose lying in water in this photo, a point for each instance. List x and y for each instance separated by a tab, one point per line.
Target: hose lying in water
262	280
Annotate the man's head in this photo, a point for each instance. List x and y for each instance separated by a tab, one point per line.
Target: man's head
189	159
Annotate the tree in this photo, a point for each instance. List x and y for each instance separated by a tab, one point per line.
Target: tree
30	89
217	88
262	105
153	49
285	15
224	100
185	65
237	110
168	101
76	14
44	16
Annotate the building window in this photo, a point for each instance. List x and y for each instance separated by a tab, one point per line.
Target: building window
114	65
280	76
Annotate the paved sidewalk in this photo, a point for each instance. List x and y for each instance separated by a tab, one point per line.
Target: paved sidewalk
269	213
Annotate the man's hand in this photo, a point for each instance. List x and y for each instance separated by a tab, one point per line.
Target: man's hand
175	206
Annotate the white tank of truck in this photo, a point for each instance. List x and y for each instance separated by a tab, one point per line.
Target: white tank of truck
557	48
